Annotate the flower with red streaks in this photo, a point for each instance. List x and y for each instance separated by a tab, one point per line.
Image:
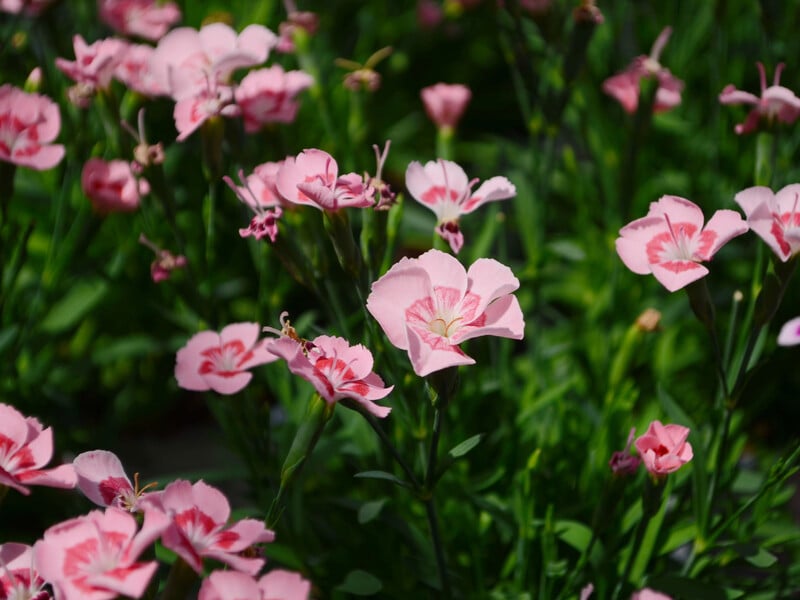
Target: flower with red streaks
19	579
270	96
664	448
103	480
775	217
776	102
260	193
147	19
111	186
28	123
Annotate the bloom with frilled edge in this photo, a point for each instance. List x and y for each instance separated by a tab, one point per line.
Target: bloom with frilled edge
775	217
94	557
336	369
275	585
312	178
445	103
28	122
625	86
19	579
103	480
776	102
429	305
443	187
199	529
259	192
26	447
670	242
270	96
664	448
94	63
147	19
220	361
111	186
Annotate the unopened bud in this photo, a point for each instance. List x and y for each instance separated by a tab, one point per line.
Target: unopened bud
649	320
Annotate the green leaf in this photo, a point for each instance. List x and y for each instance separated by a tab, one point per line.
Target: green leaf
574	533
80	300
762	559
7	336
465	446
381	475
370	510
684	587
360	583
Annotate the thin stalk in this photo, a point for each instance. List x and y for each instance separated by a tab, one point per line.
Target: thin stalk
441	563
181	577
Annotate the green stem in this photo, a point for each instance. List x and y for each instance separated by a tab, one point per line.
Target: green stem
438	548
179	581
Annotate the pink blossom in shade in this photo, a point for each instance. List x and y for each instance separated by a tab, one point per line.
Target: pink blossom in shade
587	591
776	102
26	447
188	62
192	111
648	594
111	186
429	305
664	448
134	71
775	217
102	479
625	86
623	462
259	192
312	178
790	333
199	515
95	557
429	14
94	64
270	96
220	361
445	103
443	187
19	579
146	19
275	585
28	123
336	369
30	8
671	242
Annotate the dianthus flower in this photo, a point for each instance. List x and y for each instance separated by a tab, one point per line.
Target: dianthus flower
28	122
270	96
146	19
664	448
102	479
445	103
775	217
111	186
275	585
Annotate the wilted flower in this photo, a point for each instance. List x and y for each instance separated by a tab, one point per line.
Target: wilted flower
623	462
664	448
165	262
147	19
625	86
111	186
363	76
28	122
443	187
671	242
260	193
431	304
775	217
445	103
776	102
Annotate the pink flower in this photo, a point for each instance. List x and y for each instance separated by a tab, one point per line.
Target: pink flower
94	557
220	361
103	480
192	111
19	578
648	594
260	193
445	103
275	585
199	514
624	87
133	70
147	19
775	217
670	242
429	305
165	262
269	96
790	333
336	369
443	187
664	448
312	178
776	102
623	462
94	64
26	447
111	186
28	122
30	8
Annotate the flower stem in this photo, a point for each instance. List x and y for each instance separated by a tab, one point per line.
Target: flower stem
180	579
438	548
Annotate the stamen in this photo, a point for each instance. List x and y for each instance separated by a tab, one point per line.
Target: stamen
762	76
778	71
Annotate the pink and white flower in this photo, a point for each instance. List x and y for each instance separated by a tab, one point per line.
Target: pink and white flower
790	333
220	361
625	86
19	579
312	178
199	515
95	557
336	369
270	96
234	585
664	448
445	103
146	19
26	447
671	242
111	186
776	102
775	217
260	193
192	111
28	123
102	479
443	187
429	305
94	64
648	594
133	70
